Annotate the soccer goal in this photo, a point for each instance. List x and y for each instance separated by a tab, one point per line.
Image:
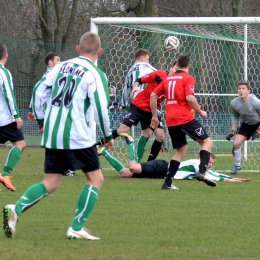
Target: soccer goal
223	51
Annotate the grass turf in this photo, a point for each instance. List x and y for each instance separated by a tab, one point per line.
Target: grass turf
135	218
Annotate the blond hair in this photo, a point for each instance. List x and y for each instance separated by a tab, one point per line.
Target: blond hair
141	53
89	43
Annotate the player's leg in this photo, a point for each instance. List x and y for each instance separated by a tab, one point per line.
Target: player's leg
174	166
179	142
157	144
145	121
206	146
89	195
244	133
11	212
114	162
141	143
128	121
122	130
236	151
11	133
36	192
134	116
198	133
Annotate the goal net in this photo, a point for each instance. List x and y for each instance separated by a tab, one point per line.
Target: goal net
223	51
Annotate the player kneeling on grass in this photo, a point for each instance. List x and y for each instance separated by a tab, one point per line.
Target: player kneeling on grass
157	169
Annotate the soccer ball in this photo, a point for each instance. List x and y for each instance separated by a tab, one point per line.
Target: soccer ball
171	43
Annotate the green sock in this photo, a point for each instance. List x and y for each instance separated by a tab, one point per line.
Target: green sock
115	163
131	151
140	147
13	158
86	202
31	196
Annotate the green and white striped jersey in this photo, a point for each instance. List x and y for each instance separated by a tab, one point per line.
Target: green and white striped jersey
8	106
77	85
189	168
138	70
46	93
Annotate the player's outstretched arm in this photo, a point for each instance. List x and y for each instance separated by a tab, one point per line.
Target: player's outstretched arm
237	180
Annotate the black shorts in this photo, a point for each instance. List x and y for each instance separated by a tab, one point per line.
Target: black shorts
247	130
10	133
58	161
155	169
135	115
193	129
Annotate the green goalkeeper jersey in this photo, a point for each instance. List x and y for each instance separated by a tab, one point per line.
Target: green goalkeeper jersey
77	85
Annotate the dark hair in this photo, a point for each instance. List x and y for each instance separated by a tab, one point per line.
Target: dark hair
244	82
3	50
50	56
141	52
183	60
173	64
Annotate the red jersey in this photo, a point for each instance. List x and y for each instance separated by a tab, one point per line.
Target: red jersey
176	87
142	99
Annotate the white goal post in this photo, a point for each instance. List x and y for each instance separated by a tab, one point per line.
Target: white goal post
224	50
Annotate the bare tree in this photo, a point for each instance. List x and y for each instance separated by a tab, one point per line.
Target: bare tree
63	21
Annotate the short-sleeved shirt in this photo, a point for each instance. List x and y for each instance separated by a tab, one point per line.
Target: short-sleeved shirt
142	99
176	87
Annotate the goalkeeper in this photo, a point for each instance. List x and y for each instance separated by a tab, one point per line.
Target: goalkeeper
247	108
157	169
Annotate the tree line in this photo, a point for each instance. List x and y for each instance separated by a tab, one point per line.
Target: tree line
64	21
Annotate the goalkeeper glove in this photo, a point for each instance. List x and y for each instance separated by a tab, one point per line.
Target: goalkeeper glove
229	136
256	134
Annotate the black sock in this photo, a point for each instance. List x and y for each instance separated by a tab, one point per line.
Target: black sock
155	149
204	160
114	134
172	169
100	142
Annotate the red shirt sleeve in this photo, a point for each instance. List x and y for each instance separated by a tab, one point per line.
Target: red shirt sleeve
148	78
190	86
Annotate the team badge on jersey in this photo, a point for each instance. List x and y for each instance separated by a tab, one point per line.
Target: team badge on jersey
192	88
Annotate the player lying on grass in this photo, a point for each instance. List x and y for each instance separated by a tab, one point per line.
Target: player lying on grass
140	112
157	169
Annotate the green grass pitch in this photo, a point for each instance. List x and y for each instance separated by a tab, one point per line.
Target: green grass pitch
135	219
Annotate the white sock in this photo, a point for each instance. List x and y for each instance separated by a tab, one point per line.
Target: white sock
237	156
